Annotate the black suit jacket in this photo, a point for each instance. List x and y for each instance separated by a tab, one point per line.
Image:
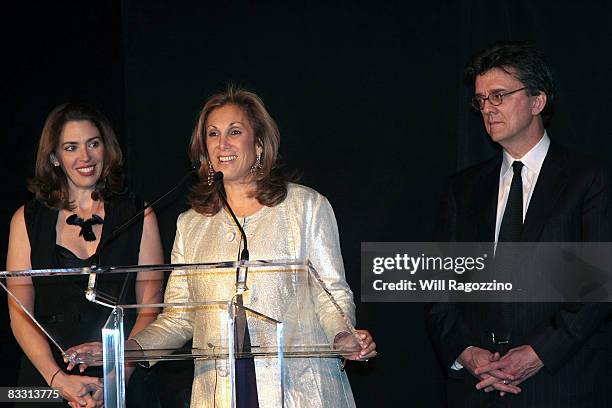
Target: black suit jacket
570	203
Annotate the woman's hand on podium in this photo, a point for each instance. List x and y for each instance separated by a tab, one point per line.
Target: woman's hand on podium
91	352
362	341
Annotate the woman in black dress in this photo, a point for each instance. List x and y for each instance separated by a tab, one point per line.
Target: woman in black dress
79	199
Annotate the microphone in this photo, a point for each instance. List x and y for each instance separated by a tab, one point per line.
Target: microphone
245	382
218	179
241	272
90	293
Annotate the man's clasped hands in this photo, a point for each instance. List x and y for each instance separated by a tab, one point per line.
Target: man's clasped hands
501	373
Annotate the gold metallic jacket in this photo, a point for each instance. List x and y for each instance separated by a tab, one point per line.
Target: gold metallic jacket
303	226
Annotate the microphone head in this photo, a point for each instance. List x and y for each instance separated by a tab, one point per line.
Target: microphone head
218	177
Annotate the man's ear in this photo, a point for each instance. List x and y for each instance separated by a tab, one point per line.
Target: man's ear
538	103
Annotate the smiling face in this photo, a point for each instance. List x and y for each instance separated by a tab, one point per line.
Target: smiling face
516	123
231	143
80	152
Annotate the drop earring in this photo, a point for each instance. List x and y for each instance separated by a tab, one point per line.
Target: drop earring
210	174
54	160
257	166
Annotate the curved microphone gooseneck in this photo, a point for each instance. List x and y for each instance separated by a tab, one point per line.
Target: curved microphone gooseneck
90	293
218	179
245	381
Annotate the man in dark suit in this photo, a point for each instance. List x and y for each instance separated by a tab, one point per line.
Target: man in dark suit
523	354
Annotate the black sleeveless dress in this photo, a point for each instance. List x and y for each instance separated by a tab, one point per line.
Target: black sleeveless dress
60	303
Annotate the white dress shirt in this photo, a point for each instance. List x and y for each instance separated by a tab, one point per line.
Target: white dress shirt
532	164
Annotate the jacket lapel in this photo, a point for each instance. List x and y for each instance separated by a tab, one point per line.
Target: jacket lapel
553	177
486	199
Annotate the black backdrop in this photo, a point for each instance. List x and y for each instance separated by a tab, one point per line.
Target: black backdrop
368	97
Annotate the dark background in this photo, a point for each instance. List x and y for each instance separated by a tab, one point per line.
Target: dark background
368	96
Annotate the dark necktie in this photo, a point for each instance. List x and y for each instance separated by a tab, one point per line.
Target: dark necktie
512	222
502	316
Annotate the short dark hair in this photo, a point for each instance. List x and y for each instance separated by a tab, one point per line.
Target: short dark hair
271	179
49	183
521	60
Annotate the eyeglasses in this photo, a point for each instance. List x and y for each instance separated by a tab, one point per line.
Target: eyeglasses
495	99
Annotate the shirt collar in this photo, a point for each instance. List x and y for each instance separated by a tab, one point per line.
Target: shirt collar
532	160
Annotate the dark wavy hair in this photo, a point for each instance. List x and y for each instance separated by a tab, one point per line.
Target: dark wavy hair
521	60
50	184
271	181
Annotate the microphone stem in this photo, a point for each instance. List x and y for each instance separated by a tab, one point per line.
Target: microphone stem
244	254
130	221
91	286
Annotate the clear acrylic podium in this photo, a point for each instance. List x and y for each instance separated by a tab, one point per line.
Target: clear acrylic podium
290	313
